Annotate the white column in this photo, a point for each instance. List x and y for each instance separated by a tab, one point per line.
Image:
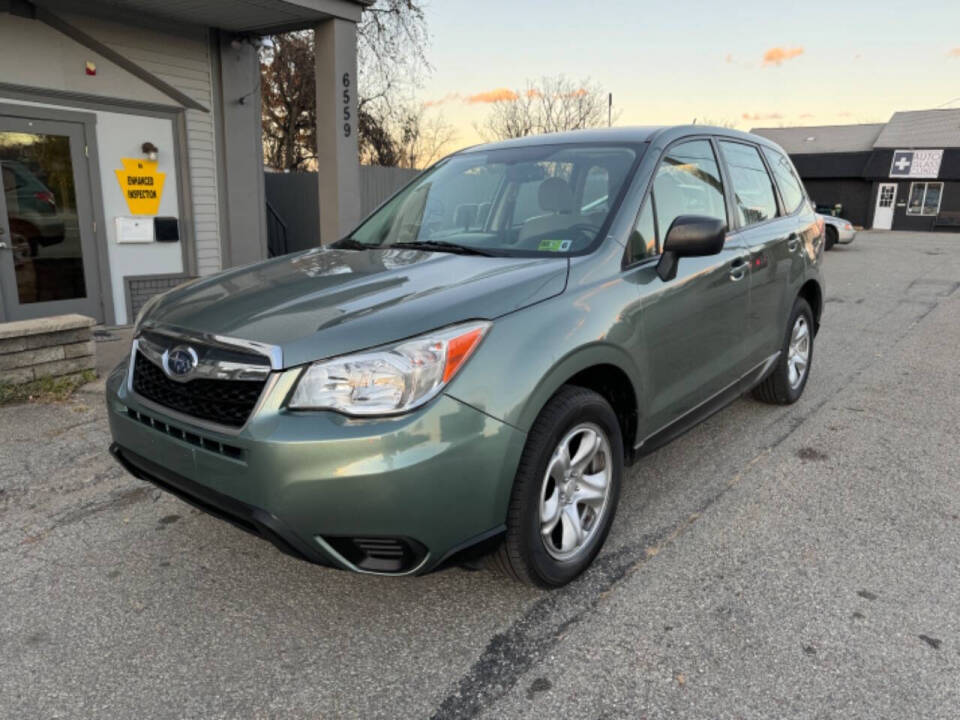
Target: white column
338	167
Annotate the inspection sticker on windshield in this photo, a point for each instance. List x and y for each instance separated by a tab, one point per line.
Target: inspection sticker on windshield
555	245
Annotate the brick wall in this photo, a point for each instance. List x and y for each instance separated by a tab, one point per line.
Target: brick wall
45	347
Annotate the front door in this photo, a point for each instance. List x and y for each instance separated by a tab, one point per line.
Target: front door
48	260
883	215
696	323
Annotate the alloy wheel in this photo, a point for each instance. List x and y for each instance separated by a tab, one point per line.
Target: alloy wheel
575	490
798	352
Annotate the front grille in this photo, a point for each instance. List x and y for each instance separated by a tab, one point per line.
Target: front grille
225	402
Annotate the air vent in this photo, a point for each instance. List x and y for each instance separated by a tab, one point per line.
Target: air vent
208	444
379	554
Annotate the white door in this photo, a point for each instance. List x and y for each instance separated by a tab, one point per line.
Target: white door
886	197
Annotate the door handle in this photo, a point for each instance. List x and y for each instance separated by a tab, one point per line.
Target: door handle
738	269
793	242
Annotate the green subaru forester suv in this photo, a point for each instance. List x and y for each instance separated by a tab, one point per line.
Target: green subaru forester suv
469	371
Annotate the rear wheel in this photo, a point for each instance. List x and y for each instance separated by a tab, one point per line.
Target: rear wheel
566	490
831	238
789	377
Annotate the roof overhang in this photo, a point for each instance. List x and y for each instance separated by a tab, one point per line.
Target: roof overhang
238	16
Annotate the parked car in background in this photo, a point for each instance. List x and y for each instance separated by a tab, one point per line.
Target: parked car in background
31	208
471	369
837	230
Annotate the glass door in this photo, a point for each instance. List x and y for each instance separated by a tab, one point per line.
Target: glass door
48	260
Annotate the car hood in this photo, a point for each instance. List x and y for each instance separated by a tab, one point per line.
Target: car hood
326	302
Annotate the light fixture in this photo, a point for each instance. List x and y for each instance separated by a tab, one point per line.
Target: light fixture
150	150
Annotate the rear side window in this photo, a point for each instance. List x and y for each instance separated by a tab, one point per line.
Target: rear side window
791	191
752	187
688	183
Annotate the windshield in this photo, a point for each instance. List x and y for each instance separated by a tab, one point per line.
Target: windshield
540	200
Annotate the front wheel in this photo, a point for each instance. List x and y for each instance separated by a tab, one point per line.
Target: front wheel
789	377
566	490
832	237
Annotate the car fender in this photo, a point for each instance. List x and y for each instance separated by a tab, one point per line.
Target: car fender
527	356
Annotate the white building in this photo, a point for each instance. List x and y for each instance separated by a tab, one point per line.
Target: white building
130	144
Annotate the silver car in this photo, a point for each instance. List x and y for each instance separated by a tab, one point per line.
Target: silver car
837	230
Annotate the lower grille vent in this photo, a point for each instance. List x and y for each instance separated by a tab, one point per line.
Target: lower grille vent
386	555
208	444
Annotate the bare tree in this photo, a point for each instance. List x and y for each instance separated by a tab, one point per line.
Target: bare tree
552	104
391	60
423	138
712	122
288	101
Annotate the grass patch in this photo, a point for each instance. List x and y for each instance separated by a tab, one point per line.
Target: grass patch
45	390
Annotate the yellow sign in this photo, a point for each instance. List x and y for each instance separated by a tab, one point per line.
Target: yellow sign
142	185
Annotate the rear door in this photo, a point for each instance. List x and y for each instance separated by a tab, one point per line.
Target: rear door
695	324
779	260
769	237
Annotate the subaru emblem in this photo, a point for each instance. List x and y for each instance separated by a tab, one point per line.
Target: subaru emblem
180	361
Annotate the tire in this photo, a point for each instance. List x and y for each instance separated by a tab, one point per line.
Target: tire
831	238
780	387
567	419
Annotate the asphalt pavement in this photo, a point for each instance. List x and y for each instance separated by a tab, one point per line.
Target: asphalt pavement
789	562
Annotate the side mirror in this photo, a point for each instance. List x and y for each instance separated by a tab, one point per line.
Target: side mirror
690	236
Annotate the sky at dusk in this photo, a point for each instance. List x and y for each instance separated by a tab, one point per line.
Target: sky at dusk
746	62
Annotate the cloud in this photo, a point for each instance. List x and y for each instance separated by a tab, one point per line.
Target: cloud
450	97
779	55
729	59
807	115
492	96
954	52
762	116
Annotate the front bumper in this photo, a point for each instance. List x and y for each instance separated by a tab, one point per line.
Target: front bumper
845	236
437	480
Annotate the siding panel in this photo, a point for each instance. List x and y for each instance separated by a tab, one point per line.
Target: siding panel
183	61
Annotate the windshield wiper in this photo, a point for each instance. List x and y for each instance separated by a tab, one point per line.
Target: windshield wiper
351	244
442	246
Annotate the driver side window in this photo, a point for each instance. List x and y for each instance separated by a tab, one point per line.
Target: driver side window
688	183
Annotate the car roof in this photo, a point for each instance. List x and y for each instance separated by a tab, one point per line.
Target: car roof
660	134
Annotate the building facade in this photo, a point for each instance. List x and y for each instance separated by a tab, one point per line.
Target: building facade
900	175
130	144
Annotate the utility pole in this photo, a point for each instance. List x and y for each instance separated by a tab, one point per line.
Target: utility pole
609	109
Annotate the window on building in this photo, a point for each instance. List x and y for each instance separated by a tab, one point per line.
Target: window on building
791	189
752	187
688	183
924	198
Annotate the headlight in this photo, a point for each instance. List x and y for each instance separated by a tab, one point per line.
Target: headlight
390	380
